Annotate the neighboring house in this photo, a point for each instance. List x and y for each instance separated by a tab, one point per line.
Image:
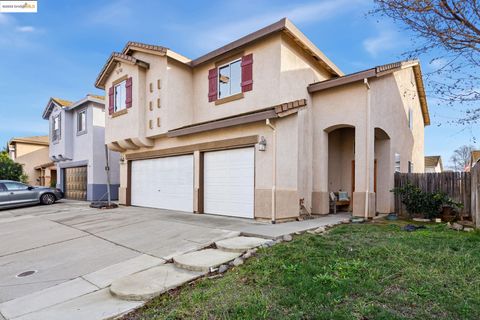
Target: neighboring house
32	154
77	147
474	158
433	164
264	127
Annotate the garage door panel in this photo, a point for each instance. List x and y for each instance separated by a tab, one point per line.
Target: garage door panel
75	184
165	183
229	182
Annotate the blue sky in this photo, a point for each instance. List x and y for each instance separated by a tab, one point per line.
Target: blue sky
60	50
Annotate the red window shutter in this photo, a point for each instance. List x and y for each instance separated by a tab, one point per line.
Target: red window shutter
128	87
111	97
212	84
247	72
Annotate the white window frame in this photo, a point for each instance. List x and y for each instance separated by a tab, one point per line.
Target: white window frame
56	119
410	118
397	159
84	129
218	78
123	96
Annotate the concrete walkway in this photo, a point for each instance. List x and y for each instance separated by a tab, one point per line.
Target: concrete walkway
75	253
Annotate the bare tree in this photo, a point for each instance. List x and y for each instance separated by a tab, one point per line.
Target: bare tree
460	158
450	30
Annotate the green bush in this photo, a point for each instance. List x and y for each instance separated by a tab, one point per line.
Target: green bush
10	170
428	204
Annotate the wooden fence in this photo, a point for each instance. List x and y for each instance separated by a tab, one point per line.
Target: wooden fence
457	185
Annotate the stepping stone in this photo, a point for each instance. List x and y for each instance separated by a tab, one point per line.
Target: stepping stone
150	283
203	260
240	244
104	277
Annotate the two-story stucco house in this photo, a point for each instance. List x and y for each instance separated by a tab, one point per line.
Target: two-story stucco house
77	147
265	127
32	154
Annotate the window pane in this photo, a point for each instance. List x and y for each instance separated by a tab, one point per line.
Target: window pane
236	77
11	186
84	116
120	96
224	81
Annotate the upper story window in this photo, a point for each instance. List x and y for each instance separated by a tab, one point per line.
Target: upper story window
82	122
56	132
120	96
230	79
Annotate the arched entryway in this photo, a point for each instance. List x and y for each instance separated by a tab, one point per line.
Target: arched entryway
384	172
341	164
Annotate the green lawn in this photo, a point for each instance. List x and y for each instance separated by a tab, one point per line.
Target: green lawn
369	271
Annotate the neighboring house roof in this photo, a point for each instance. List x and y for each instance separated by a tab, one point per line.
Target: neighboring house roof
283	25
67	105
37	140
433	161
62	102
376	72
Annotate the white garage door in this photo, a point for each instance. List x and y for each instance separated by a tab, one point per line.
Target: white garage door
165	183
229	182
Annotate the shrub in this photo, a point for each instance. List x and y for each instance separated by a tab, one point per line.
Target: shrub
428	204
10	170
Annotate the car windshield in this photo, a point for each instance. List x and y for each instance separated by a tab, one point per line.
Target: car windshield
11	186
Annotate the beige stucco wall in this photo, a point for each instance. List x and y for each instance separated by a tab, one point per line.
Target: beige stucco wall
25	148
38	155
436	169
391	97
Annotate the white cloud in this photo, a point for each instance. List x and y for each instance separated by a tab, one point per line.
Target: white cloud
386	40
115	13
212	37
13	35
25	29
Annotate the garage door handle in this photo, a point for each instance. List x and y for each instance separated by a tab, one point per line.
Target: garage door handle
158	190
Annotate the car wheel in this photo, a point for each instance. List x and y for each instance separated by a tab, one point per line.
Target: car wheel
48	198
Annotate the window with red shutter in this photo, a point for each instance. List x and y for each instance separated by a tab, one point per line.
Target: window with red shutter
247	72
212	84
128	86
110	100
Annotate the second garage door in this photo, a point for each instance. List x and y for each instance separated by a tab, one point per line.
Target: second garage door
165	183
229	182
75	185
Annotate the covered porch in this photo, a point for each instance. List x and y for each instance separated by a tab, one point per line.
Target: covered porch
358	171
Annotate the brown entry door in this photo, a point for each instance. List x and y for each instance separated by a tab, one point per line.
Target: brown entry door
76	183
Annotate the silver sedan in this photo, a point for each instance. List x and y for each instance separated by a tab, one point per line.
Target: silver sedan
17	194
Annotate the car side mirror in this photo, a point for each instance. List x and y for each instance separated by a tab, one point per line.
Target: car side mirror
30	188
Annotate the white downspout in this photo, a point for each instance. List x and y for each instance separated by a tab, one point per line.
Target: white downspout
274	169
367	144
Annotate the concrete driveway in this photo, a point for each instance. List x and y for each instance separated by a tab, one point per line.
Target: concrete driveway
78	251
